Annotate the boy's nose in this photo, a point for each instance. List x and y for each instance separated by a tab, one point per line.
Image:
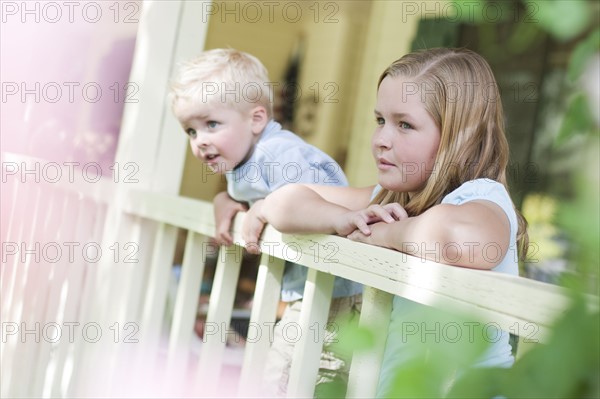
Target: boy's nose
201	140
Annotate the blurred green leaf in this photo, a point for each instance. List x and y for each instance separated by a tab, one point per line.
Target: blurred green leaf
354	338
523	37
564	19
442	344
334	389
582	53
470	10
577	119
480	383
561	368
581	219
568	365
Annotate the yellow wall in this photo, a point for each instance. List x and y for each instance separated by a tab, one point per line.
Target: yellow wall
347	44
389	36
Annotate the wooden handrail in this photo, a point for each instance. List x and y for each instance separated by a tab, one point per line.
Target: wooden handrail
486	295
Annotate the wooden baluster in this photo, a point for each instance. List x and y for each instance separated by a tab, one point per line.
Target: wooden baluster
156	294
313	319
82	350
262	318
31	279
48	360
218	319
11	207
364	371
75	280
186	308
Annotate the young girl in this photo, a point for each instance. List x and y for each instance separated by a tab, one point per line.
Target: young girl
441	155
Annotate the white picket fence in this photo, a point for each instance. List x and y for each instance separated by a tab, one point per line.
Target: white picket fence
85	274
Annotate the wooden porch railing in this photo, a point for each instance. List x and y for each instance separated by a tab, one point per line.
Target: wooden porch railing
84	284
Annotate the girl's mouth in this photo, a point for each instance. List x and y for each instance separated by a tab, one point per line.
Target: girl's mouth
384	164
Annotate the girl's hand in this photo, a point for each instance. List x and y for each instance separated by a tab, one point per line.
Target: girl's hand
254	223
377	236
359	236
360	220
225	210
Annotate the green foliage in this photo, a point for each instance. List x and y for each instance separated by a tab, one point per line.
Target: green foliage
540	211
564	19
443	344
577	119
582	54
567	366
581	219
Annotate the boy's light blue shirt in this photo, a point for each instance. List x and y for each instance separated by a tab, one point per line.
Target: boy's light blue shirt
279	158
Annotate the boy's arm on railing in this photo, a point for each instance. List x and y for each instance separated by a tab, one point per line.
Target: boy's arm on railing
225	210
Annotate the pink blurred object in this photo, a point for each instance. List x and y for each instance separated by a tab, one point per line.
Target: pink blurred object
64	69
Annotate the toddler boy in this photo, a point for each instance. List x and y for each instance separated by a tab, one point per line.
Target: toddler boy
223	101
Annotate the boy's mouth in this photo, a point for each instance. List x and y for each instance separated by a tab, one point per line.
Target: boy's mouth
211	157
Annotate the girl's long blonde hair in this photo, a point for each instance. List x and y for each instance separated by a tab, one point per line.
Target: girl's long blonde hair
458	89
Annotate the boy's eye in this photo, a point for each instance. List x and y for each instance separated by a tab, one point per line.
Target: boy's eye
404	125
212	124
379	121
191	132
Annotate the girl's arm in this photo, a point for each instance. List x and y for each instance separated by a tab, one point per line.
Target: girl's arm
298	208
475	234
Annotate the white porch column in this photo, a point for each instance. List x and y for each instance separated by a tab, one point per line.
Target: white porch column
169	32
151	154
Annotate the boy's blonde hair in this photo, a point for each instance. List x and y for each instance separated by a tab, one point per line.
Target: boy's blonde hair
225	76
460	93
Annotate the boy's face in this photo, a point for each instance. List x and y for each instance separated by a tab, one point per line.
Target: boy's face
220	136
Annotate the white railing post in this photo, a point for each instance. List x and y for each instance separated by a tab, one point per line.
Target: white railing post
47	287
29	291
264	309
218	319
186	307
156	294
313	320
80	349
364	370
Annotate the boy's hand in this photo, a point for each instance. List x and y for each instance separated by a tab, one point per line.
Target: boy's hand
225	210
254	223
360	220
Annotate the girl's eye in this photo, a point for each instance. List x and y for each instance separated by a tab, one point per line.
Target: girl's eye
379	121
191	132
212	124
404	125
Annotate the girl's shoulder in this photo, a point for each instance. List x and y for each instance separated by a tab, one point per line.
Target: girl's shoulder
479	189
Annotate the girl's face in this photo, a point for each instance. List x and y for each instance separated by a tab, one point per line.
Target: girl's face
406	139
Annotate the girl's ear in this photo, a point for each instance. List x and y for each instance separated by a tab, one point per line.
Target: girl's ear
259	119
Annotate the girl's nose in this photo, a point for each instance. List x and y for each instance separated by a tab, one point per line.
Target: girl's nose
381	139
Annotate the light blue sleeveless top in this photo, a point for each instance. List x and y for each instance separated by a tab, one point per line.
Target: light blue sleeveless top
408	315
